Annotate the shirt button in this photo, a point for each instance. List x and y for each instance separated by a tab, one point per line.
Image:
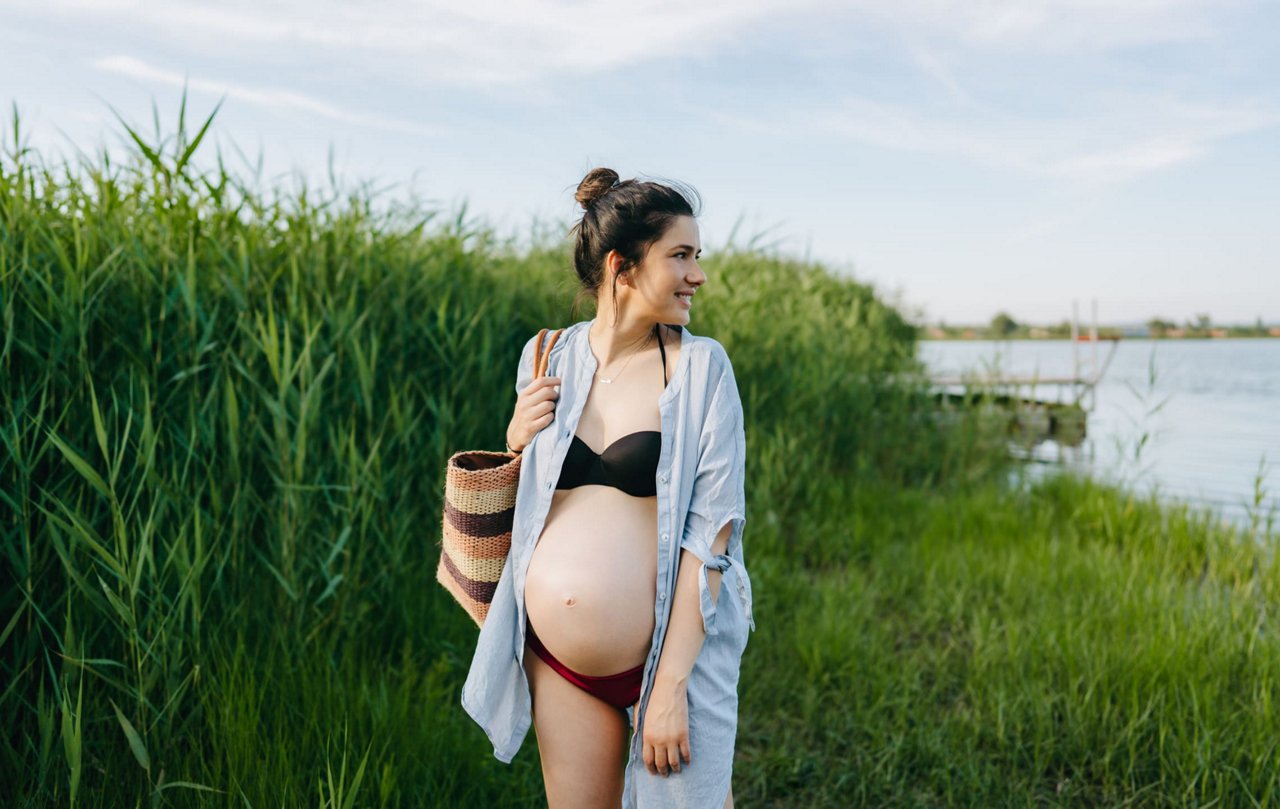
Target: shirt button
549	484
662	478
664	537
662	596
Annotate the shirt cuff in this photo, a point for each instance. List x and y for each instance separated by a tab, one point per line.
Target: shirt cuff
707	605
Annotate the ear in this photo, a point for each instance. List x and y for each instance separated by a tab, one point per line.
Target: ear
612	261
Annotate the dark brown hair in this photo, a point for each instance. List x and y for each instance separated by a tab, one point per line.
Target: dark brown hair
628	217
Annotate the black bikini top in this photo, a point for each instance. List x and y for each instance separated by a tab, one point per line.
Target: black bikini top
629	464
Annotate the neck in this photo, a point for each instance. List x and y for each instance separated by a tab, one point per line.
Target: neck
612	339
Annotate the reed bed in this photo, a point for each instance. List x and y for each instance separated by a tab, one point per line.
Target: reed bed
225	414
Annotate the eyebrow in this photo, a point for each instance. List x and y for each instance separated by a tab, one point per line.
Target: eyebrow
688	248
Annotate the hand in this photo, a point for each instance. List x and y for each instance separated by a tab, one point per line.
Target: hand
535	408
666	727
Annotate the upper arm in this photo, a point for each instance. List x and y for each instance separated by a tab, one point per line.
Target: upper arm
718	500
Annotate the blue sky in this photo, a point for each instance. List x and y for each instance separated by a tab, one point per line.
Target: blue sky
964	158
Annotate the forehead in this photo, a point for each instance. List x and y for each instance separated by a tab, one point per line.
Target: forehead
684	230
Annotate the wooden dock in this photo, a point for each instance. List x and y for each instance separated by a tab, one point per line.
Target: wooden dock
1013	381
1031	418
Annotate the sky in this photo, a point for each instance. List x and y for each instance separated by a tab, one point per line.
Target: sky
964	158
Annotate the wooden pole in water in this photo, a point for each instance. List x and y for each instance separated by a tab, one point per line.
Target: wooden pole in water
1075	348
1093	338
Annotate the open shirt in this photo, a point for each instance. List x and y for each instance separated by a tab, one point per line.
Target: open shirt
700	488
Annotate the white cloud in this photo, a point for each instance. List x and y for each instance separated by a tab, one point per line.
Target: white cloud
1042	26
463	42
933	64
1120	138
1127	162
1082	130
505	42
272	97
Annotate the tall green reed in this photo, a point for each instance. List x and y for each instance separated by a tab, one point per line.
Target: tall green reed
225	415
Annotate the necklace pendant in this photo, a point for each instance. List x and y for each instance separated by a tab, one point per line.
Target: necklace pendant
606	381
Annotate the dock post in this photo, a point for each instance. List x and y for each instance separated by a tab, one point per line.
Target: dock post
1075	349
1093	338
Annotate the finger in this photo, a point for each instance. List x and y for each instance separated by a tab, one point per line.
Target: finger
660	762
535	404
543	394
538	410
648	759
685	751
543	421
537	386
674	760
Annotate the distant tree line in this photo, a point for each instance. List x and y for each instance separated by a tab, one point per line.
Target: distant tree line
1004	327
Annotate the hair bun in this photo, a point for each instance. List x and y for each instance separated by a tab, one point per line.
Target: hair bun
596	184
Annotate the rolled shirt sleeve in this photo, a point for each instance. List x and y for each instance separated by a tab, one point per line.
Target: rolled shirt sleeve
719	495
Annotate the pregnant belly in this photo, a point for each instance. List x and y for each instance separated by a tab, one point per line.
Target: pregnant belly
590	585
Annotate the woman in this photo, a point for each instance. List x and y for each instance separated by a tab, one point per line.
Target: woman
620	619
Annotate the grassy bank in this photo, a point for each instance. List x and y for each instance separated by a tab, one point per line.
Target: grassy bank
225	413
1067	646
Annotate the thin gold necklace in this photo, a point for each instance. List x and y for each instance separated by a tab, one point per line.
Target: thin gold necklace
609	380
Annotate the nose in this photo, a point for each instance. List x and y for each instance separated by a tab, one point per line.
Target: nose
697	277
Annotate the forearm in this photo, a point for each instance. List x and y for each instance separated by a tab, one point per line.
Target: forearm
684	630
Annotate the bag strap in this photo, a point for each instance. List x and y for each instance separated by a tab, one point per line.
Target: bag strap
541	357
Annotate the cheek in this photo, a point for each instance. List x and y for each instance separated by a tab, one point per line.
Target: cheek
675	278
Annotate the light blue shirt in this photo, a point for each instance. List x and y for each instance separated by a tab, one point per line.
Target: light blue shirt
700	482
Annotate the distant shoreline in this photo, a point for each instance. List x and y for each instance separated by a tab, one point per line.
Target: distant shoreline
1103	335
978	338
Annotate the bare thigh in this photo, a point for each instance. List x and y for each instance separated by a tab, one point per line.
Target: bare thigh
582	741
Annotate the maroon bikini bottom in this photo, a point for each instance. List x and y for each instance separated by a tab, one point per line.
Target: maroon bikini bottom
619	690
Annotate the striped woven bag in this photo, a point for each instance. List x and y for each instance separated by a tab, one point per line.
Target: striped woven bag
479	503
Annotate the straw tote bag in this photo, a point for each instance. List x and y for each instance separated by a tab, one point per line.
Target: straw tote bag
479	503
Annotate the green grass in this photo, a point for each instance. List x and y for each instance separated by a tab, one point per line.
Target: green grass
1068	646
224	413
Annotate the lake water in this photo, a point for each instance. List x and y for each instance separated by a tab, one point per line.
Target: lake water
1210	411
